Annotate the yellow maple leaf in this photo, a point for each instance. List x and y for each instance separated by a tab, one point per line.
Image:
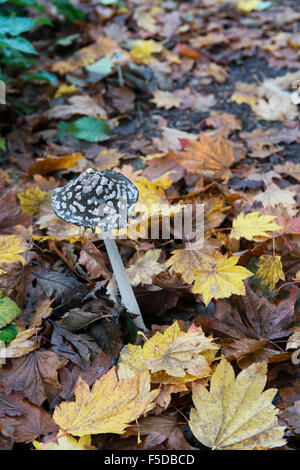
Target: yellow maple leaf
143	268
64	89
65	442
31	200
210	157
108	407
236	414
253	225
143	49
10	249
270	270
173	351
220	279
249	5
186	262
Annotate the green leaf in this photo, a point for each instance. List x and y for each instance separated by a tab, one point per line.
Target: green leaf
29	3
8	333
44	21
68	10
16	25
19	44
41	76
89	128
2	144
103	67
13	57
8	310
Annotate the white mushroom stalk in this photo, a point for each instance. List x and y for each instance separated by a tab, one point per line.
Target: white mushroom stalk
102	200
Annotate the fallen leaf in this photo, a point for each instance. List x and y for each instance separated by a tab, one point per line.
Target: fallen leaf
118	403
10	249
253	225
142	268
31	200
236	413
210	157
220	279
166	99
269	270
43	166
34	374
65	442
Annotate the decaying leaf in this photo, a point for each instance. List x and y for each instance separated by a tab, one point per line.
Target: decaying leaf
236	413
174	356
143	268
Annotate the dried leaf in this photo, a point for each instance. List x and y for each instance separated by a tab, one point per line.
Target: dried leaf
118	403
253	225
236	413
143	268
269	271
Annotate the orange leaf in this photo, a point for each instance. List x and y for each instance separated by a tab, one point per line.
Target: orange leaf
209	157
47	165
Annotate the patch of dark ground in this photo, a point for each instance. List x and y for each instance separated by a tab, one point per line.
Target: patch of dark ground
143	121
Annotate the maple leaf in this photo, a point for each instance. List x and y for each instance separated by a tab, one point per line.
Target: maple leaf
236	414
10	249
34	374
65	442
253	225
143	268
31	200
220	278
108	407
107	159
186	262
143	49
183	356
34	422
174	352
269	270
209	157
274	196
253	316
166	99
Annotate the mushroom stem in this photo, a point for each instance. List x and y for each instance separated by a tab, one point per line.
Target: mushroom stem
127	295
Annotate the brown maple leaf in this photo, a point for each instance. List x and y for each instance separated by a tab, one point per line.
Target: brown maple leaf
209	157
252	316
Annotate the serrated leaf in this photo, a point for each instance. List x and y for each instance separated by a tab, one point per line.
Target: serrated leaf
173	355
269	271
143	268
10	249
108	407
253	225
236	414
31	200
220	278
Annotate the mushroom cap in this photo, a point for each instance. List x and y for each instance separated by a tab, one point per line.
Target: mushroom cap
96	199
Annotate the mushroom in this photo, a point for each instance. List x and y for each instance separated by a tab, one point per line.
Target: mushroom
102	200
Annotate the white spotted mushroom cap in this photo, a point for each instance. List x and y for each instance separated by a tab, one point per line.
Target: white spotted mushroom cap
96	199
